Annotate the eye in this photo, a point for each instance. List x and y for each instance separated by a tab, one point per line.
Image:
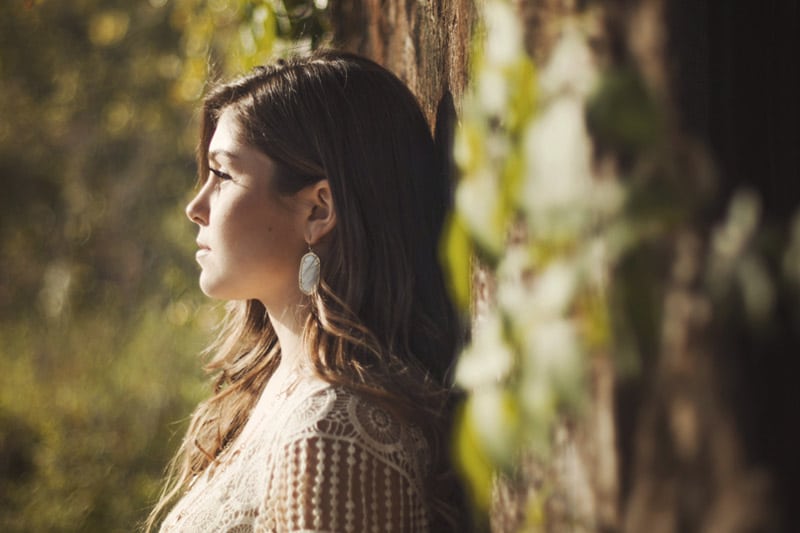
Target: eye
221	175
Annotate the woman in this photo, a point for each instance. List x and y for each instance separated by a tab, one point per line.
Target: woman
319	216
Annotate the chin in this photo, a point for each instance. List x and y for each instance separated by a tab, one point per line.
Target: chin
222	289
212	288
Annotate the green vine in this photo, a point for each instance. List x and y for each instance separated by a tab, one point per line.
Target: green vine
545	231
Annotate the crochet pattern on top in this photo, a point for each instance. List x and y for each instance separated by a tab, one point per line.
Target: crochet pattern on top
321	458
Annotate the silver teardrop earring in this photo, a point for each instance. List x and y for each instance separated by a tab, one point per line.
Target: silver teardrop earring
309	272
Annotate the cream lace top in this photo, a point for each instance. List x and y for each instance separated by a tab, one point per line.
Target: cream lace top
318	458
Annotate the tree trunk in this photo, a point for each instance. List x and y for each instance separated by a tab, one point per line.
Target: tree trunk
713	444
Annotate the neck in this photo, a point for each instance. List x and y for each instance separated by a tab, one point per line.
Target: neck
288	326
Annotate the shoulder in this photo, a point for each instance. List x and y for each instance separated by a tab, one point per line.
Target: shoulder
350	420
346	464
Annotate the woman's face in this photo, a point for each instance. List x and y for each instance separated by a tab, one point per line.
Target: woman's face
250	238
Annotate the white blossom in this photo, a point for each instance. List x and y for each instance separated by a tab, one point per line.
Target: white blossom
503	33
488	359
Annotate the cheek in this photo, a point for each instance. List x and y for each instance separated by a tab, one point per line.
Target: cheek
244	221
264	236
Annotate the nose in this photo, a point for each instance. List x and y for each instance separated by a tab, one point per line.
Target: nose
197	208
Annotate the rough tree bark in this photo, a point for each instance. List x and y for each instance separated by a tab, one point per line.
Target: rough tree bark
703	438
425	43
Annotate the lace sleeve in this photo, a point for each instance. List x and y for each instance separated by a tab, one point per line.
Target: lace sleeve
330	485
333	481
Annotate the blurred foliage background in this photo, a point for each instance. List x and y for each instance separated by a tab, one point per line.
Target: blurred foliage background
100	318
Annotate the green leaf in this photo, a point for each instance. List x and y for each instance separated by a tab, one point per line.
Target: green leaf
473	462
623	113
456	251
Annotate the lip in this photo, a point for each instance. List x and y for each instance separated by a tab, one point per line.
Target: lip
203	250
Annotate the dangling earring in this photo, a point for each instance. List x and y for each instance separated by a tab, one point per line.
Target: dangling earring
309	272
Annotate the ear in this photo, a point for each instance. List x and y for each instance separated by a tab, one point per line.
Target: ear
319	212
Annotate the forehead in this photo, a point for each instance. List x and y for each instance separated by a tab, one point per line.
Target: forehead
227	135
229	150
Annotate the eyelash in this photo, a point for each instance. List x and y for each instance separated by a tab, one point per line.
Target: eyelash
218	173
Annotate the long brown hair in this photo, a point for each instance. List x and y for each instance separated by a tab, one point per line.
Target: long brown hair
381	323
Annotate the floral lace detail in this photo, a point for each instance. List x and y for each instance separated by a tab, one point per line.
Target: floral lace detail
376	423
320	459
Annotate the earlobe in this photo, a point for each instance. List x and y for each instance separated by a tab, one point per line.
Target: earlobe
321	215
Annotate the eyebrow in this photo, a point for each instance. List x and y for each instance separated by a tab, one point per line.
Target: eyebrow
216	153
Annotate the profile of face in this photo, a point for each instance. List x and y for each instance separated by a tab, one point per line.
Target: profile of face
250	238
